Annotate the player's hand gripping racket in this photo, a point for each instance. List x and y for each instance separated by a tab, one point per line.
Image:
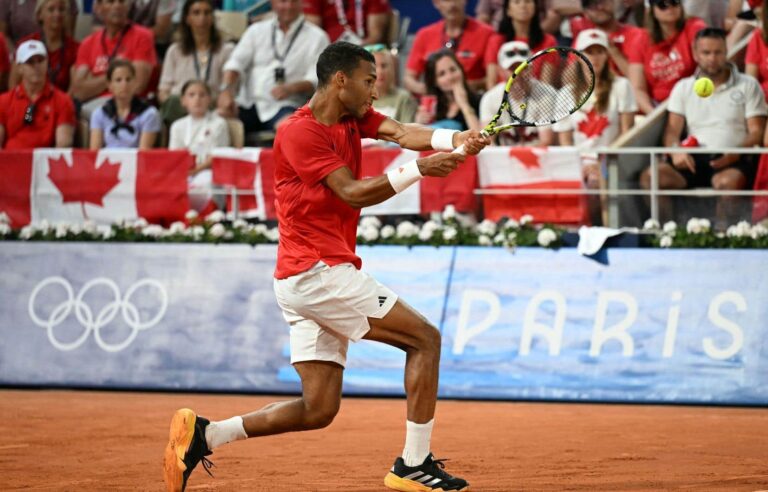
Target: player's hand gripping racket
545	88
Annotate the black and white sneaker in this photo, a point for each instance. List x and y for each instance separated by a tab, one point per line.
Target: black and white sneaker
429	476
186	448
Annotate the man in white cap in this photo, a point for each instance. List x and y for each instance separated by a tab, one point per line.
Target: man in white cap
511	54
35	113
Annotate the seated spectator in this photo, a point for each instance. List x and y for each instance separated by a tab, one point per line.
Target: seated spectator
19	19
277	57
457	105
733	116
393	101
200	132
463	35
757	53
511	54
662	55
360	22
155	15
52	16
125	121
199	54
609	113
600	14
520	22
5	64
119	39
35	113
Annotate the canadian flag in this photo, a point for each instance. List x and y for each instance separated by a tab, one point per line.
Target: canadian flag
526	168
72	185
251	172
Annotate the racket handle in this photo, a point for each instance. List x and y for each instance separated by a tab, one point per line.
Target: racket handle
460	148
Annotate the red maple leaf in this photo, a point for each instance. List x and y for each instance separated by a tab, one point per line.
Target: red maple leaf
83	182
527	157
594	124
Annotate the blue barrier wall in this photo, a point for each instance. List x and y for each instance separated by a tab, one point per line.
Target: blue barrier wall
651	326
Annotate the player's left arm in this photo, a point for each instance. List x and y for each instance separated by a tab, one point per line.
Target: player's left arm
419	137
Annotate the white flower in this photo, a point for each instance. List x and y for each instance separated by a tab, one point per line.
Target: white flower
370	233
697	226
261	229
27	232
197	232
4	219
273	234
387	231
75	229
759	231
239	224
229	235
217	230
105	232
61	230
4	229
526	219
670	227
215	216
425	234
177	227
44	226
449	212
89	226
370	221
484	240
191	215
450	233
511	224
742	229
546	237
406	229
487	227
431	226
500	238
651	225
153	230
705	224
665	242
141	223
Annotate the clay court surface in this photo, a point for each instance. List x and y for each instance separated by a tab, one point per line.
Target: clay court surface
80	440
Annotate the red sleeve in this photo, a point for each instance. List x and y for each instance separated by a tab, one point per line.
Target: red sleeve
309	152
692	26
753	48
548	42
417	58
144	49
312	7
492	50
5	58
66	110
378	6
370	123
84	55
5	103
640	44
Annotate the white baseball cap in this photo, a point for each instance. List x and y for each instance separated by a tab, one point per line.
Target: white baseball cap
590	37
28	49
513	52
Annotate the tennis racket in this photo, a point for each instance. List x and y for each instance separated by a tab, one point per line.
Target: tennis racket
545	88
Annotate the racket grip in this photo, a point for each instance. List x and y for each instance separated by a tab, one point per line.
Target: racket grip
460	148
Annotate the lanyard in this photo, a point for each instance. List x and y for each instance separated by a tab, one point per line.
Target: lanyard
342	16
53	72
119	41
279	58
207	66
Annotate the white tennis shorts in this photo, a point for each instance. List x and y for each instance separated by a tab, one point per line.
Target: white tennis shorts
329	306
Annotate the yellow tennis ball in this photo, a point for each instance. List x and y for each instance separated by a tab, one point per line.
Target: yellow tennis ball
703	87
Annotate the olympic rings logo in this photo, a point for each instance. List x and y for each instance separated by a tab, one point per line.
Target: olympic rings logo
85	315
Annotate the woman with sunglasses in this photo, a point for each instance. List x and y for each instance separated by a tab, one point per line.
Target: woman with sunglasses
521	22
199	54
53	18
663	54
457	105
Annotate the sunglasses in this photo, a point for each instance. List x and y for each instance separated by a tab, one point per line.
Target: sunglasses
375	48
517	52
29	114
665	4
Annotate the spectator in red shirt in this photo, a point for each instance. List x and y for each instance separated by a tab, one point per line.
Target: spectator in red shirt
5	64
361	22
35	113
757	53
53	17
118	39
521	22
601	14
467	37
663	54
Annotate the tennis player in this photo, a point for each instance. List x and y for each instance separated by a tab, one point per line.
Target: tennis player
325	297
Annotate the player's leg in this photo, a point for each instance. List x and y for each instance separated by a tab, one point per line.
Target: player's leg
407	329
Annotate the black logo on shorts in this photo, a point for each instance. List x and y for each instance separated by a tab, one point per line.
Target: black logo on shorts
382	300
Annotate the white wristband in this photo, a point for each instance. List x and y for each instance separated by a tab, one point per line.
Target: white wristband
404	176
442	139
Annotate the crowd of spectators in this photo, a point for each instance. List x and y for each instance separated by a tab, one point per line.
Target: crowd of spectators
159	73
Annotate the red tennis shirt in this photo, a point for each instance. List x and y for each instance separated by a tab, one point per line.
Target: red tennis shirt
52	108
315	224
